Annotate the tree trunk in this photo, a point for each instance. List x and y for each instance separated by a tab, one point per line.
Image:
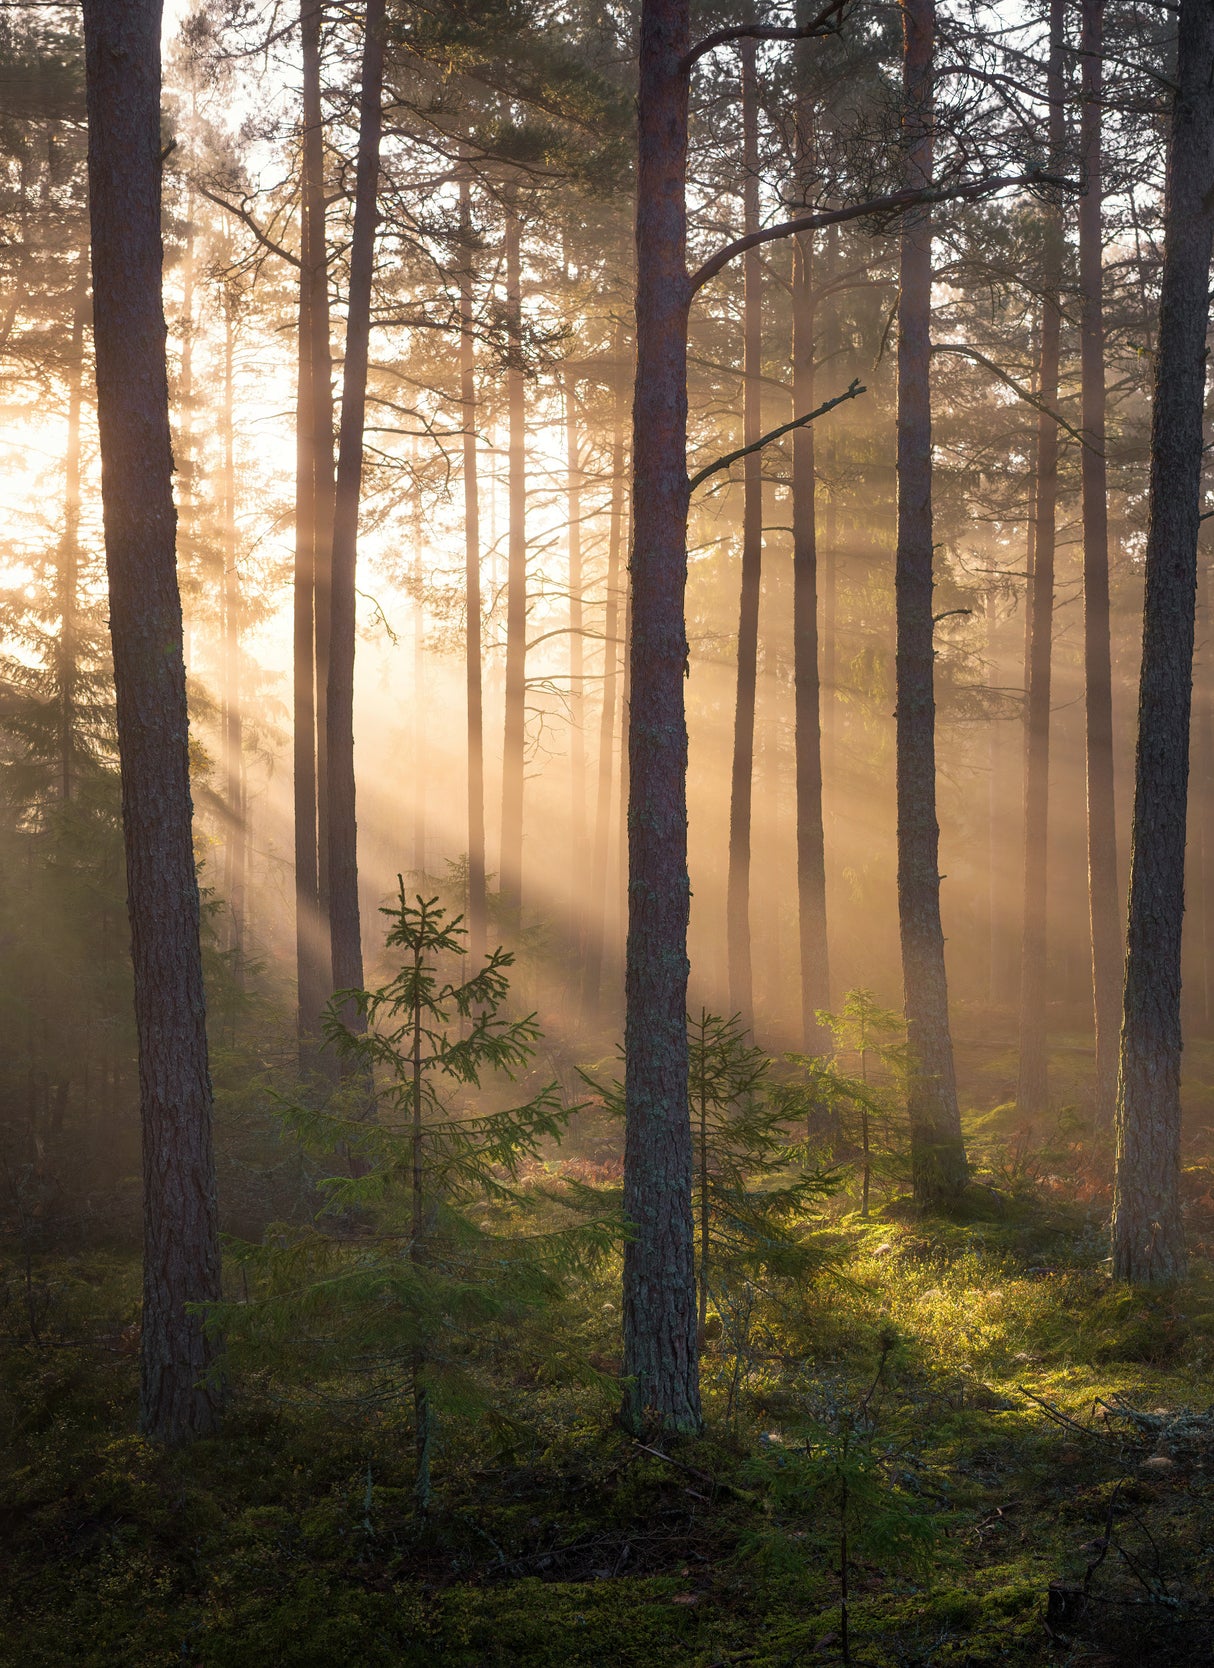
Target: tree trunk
1032	1086
811	848
577	686
231	726
179	1397
937	1153
472	572
313	517
741	990
660	1355
597	914
515	732
344	926
67	576
1148	1230
1103	896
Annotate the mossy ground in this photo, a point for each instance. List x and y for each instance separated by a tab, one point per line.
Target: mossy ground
291	1540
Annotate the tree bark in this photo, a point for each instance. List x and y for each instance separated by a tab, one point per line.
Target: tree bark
472	582
1148	1229
1104	901
937	1152
313	548
515	731
67	575
231	726
660	1354
179	1397
811	846
577	682
344	925
1032	1086
741	991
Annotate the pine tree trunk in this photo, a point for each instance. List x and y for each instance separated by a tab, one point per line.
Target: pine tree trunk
231	726
741	984
1104	900
344	927
67	575
937	1153
1032	1086
597	913
660	1355
472	581
178	1397
313	515
514	737
1148	1230
577	684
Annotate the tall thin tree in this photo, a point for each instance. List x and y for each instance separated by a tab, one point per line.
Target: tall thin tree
179	1398
344	925
515	721
1148	1229
937	1152
472	583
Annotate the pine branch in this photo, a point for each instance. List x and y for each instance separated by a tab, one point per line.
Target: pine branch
828	22
853	392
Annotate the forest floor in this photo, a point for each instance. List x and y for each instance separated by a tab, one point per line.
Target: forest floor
1018	1453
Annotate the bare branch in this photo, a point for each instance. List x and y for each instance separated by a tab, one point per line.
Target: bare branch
892	203
855	390
241	212
827	22
1017	388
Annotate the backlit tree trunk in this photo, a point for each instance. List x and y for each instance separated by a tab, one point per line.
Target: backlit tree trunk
514	737
1148	1231
1104	900
179	1398
1032	1089
577	681
660	1355
472	581
232	726
937	1153
67	575
741	991
344	927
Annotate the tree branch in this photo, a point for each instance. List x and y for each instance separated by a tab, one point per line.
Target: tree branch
242	213
857	388
828	22
893	202
1023	393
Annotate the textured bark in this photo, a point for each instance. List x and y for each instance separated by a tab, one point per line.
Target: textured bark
1148	1229
1032	1085
472	581
1104	901
937	1153
313	544
660	1355
178	1397
597	915
344	927
811	848
741	992
514	736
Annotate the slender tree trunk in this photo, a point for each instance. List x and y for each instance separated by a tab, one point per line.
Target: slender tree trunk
313	547
1199	813
1104	900
514	738
597	912
179	1397
231	727
1032	1088
1148	1229
660	1355
421	749
67	576
344	926
577	683
937	1153
741	984
472	572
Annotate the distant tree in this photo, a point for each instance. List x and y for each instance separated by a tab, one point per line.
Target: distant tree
1148	1229
178	1395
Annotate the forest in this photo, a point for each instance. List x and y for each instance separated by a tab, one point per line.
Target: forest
606	833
